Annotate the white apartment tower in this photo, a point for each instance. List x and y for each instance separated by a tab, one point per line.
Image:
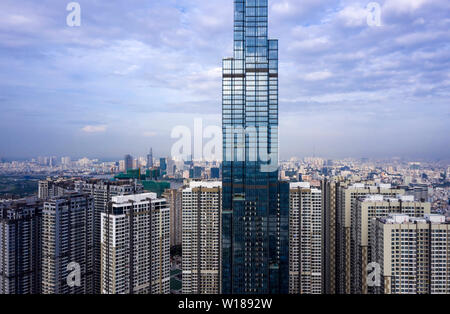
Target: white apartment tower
305	239
413	254
201	237
347	196
135	245
368	209
102	191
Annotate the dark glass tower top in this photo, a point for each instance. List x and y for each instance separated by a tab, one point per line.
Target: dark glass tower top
254	224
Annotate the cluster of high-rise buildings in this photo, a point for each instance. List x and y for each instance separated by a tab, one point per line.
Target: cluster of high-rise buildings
257	231
112	234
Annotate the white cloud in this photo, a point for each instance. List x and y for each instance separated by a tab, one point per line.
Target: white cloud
149	134
317	76
94	128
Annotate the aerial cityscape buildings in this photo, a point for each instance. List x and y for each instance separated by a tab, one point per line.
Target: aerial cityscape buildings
250	223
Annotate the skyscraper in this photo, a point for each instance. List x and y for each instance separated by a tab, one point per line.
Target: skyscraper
174	200
102	191
255	206
20	246
128	162
368	209
347	195
150	159
67	239
305	239
202	202
135	245
412	254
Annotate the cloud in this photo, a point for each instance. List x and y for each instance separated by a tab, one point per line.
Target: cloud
317	76
150	134
133	65
94	128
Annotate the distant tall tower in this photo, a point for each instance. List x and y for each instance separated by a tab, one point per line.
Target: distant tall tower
150	159
128	162
255	214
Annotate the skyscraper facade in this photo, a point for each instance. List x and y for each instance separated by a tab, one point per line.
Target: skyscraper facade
347	195
20	246
174	199
102	191
67	239
202	203
367	209
412	254
255	205
135	245
305	239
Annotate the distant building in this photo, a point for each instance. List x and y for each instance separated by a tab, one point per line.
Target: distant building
128	162
413	254
20	246
215	173
65	161
135	245
202	207
51	188
305	239
163	164
150	159
67	238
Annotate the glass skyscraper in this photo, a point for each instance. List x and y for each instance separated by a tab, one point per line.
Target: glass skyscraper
255	205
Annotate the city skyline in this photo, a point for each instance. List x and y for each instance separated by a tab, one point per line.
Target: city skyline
131	72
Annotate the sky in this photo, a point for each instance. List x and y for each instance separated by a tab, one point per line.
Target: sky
135	69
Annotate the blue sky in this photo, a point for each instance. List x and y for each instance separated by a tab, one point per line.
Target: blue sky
135	69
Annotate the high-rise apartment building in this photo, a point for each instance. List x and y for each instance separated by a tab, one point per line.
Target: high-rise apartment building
346	205
413	254
255	213
20	246
367	209
135	245
102	191
174	200
51	188
202	207
305	239
329	190
67	239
